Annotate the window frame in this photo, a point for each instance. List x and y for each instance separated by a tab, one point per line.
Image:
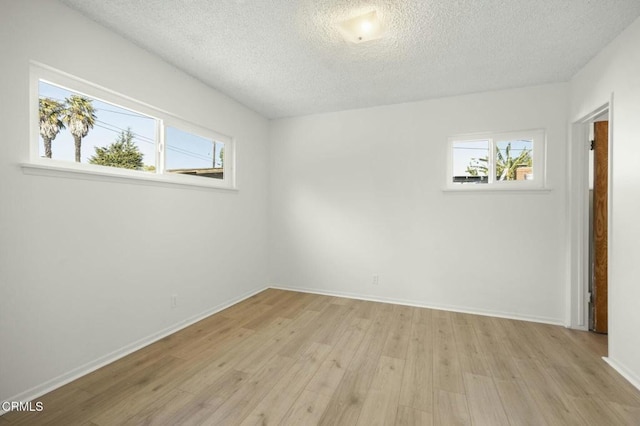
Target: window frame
53	167
538	136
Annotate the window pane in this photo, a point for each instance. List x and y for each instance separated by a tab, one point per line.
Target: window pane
76	127
514	160
470	162
191	154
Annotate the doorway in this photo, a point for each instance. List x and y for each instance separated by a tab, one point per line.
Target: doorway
598	224
580	294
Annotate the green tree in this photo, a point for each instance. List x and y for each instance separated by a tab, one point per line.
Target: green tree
122	153
506	165
222	156
50	121
79	116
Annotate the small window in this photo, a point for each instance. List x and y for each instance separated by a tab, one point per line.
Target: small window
501	161
82	128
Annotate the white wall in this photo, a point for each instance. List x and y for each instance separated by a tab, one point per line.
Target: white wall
358	193
616	70
87	268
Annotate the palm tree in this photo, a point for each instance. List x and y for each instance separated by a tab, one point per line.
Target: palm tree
79	116
50	122
507	166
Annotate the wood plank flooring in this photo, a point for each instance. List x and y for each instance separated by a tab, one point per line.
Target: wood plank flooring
283	357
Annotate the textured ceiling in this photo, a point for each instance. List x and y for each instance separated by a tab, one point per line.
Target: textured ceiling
286	57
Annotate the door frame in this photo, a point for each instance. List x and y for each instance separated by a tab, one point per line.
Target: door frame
577	297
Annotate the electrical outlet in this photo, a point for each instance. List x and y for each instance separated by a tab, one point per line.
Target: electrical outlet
376	279
174	300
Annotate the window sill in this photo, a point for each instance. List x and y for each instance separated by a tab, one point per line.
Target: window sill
87	172
496	189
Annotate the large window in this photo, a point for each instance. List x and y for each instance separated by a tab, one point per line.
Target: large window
513	160
82	127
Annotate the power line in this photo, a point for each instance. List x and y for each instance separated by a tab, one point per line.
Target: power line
175	149
120	129
189	153
142	139
152	141
133	114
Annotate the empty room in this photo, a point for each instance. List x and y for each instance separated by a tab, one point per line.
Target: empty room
327	212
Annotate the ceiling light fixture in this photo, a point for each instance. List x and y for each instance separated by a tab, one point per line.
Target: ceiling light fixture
362	28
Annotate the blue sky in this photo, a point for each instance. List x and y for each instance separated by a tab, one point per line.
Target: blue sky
184	150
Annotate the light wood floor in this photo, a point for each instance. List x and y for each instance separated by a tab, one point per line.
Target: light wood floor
300	359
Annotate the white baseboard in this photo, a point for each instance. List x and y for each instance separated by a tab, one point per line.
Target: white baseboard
624	372
63	379
451	308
